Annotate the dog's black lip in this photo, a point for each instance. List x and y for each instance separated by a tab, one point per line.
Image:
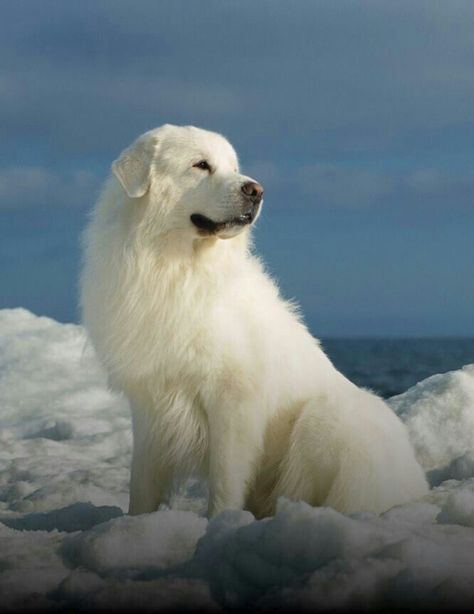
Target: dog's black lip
204	223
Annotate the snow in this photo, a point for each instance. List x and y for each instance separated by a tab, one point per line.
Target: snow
439	415
158	541
67	544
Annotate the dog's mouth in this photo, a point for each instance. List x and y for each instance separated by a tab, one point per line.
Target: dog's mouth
209	227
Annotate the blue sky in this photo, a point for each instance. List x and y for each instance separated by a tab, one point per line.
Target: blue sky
357	116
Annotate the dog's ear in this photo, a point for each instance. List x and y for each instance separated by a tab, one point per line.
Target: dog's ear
133	167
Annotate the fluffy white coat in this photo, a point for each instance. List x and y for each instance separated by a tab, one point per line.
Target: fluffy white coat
223	378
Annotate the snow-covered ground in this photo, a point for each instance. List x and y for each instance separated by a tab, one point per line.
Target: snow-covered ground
66	544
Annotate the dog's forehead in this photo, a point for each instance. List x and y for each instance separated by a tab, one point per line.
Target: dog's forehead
195	142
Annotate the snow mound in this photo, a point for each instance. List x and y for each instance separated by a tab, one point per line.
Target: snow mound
66	544
439	415
54	398
307	557
150	541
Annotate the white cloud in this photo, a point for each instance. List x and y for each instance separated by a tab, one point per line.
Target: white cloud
24	186
333	185
315	77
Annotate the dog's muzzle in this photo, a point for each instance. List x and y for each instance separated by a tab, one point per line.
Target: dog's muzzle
252	195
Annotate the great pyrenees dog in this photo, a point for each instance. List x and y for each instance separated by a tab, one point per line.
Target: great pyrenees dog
223	378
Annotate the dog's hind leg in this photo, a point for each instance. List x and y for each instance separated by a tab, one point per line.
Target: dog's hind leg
350	452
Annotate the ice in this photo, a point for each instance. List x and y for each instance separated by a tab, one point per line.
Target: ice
150	541
439	415
75	517
64	437
66	542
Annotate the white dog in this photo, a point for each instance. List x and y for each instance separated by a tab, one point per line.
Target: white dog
223	378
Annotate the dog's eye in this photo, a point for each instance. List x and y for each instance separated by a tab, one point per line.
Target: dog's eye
203	165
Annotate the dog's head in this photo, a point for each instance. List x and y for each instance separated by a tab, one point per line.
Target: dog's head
190	179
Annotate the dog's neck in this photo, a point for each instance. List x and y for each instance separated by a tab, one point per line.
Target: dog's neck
172	251
214	247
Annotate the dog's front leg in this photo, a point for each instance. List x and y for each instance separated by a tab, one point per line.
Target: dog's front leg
235	438
151	474
149	482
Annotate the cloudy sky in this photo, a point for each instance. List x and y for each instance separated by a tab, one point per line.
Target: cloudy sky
358	117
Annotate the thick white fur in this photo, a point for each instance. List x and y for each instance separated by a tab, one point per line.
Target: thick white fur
223	378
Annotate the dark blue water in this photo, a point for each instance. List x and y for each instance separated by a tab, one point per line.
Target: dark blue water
391	366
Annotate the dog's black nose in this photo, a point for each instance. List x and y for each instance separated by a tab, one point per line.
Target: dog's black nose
253	191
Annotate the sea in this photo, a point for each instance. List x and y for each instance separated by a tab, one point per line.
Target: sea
391	366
